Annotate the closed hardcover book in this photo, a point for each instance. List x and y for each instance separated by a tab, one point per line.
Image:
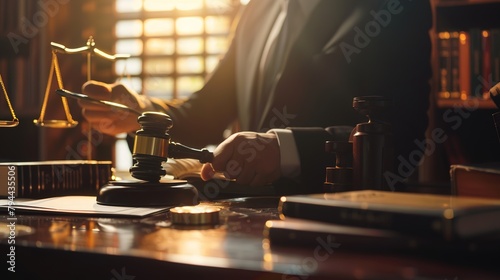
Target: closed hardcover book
486	64
424	215
478	180
454	65
464	65
39	179
299	232
444	49
294	232
476	62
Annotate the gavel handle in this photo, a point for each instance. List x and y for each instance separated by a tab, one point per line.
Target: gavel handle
176	150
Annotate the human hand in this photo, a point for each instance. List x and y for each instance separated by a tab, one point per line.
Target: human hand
110	121
248	157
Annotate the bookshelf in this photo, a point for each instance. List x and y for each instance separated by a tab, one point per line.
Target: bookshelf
467	47
464	114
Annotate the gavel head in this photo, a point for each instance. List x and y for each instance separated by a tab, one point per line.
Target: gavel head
151	146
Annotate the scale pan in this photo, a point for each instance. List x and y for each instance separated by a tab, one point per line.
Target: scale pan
11	123
55	123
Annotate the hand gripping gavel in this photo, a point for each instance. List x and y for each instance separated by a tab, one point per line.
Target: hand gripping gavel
152	146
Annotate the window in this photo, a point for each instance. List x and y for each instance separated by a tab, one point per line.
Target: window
173	44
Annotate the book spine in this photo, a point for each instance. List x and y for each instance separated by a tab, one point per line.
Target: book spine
444	64
486	63
8	181
40	181
454	64
464	65
476	62
495	55
413	224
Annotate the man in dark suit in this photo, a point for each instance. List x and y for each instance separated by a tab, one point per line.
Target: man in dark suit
298	82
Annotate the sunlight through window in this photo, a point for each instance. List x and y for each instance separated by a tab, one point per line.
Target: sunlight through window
173	44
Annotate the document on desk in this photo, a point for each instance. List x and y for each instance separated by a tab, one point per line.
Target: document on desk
76	205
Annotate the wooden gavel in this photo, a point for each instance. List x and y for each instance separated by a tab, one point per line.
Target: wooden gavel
152	146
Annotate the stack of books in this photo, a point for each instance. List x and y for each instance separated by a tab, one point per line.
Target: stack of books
41	179
383	220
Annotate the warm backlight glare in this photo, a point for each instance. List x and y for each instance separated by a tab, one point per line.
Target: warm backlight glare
189	25
173	44
159	27
127	6
160	46
128	28
169	5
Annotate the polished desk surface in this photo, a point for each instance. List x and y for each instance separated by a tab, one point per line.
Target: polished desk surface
78	247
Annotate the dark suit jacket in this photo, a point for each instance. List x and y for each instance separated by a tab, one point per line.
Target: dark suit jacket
348	48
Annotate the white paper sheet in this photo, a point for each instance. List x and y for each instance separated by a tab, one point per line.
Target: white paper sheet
77	205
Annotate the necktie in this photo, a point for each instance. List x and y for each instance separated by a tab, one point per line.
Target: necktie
275	51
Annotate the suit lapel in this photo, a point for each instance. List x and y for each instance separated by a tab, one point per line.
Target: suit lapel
256	26
312	38
316	38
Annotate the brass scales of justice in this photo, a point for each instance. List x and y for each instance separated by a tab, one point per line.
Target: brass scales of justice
90	50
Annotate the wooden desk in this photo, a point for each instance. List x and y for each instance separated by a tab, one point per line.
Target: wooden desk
70	247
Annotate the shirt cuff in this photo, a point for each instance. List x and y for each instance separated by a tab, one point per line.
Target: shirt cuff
289	156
